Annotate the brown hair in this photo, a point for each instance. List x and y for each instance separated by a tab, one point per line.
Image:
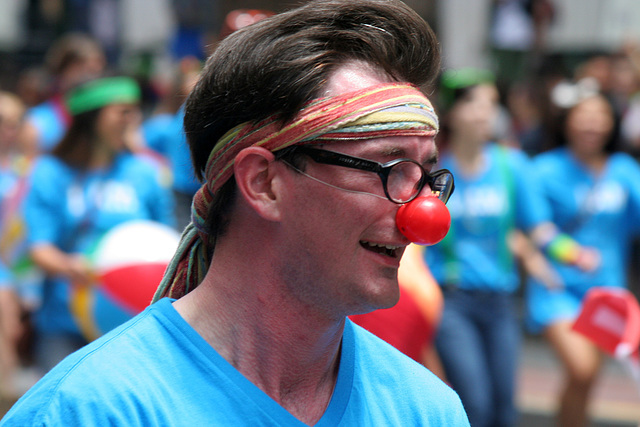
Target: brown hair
278	64
76	147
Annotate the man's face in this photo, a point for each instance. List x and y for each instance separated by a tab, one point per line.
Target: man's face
345	248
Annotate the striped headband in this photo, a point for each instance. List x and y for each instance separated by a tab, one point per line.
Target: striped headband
390	109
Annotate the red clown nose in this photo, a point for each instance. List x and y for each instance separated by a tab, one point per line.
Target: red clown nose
425	220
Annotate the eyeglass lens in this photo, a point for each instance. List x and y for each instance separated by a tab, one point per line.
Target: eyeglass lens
406	180
442	185
403	182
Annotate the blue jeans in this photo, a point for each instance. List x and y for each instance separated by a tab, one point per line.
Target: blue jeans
479	342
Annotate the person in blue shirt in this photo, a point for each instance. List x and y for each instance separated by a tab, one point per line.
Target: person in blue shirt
13	171
496	195
594	195
163	134
293	230
88	185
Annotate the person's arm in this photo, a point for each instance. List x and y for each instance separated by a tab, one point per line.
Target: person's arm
533	261
534	216
631	174
55	262
631	50
43	209
563	248
414	273
10	326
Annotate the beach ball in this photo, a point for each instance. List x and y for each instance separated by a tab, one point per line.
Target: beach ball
128	262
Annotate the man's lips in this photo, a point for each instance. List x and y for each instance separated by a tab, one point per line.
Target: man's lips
388	250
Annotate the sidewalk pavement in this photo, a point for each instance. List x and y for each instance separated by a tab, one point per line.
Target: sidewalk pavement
616	398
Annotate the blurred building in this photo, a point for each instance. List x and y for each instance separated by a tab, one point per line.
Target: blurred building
572	27
469	30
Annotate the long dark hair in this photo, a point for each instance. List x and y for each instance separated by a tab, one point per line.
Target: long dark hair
76	147
561	139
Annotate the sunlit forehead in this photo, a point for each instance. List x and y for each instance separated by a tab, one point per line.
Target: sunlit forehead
353	75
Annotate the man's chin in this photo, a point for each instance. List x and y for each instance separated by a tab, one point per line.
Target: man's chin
388	297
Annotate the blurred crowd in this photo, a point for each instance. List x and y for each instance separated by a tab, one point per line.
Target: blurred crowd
86	144
61	152
532	105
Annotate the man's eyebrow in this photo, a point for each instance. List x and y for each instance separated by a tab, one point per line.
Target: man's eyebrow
401	152
432	159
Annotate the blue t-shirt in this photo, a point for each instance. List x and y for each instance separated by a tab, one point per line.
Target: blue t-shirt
164	134
6	279
485	208
602	211
155	130
157	370
72	210
49	120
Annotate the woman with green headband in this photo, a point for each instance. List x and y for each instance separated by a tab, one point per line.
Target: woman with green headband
90	183
478	339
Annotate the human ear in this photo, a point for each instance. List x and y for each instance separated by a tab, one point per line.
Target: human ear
255	174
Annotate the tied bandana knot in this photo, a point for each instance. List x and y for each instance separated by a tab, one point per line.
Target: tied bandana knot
391	109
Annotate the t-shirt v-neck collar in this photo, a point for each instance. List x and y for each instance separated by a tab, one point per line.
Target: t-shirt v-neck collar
341	394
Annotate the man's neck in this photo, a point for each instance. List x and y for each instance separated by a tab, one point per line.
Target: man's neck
290	356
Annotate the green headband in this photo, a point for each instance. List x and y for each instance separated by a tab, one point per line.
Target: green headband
465	77
454	80
101	92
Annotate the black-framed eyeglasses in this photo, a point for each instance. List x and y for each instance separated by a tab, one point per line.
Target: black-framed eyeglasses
402	179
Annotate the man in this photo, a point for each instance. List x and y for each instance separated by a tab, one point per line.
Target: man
289	236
